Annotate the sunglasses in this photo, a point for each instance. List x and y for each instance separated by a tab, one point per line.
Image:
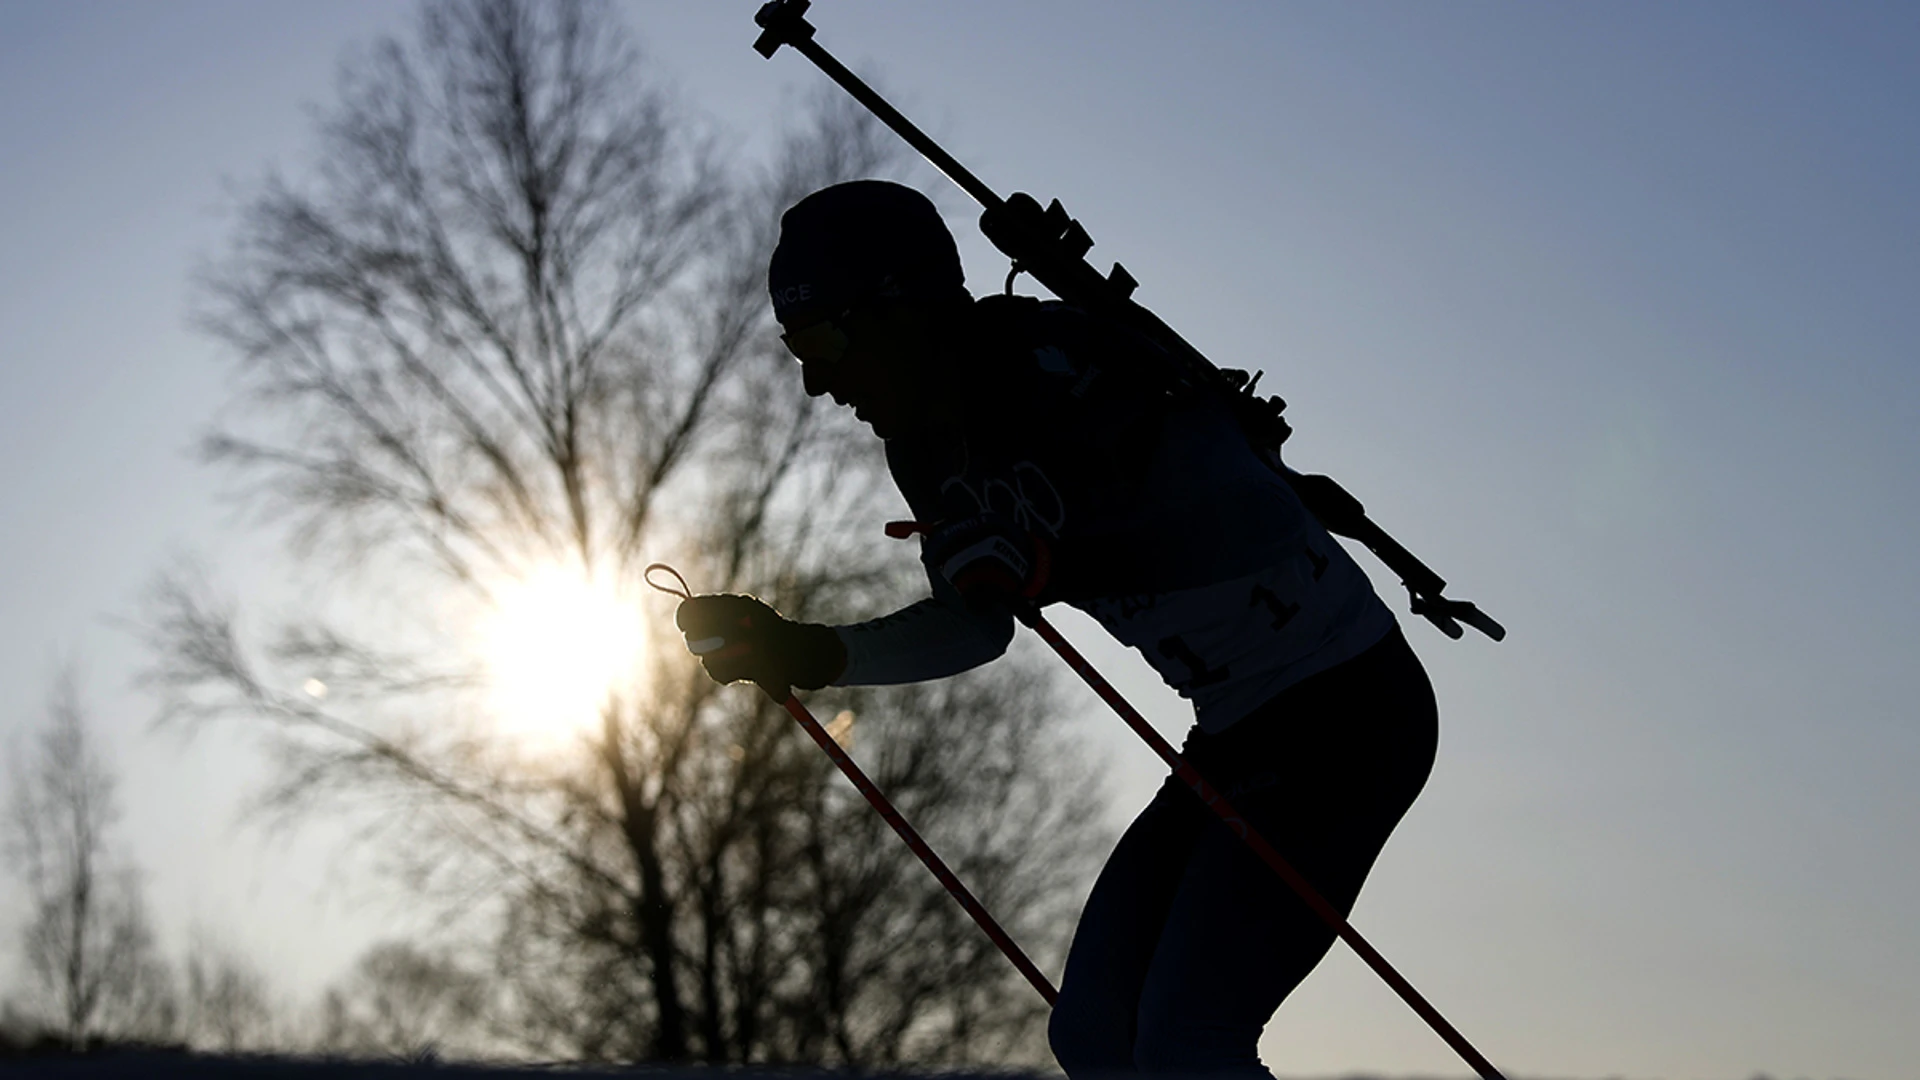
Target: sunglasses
824	342
818	343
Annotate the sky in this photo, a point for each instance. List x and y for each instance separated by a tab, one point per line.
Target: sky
1607	311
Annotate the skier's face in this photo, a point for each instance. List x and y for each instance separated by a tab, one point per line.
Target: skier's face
867	357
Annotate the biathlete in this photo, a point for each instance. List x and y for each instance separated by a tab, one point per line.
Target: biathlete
1050	468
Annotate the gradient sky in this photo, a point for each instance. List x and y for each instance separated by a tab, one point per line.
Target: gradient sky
1610	312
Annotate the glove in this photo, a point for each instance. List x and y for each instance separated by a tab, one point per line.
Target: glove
990	559
738	637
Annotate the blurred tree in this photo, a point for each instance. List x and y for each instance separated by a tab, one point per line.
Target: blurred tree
515	322
226	1004
88	944
404	1001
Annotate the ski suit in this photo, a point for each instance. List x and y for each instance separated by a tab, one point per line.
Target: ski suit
1312	715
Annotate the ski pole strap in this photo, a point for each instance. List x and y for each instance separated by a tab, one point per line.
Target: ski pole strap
920	848
679	588
1300	885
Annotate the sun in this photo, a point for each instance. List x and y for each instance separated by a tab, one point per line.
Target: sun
556	645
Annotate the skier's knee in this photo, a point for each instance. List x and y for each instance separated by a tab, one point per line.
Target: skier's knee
1171	1047
1086	1041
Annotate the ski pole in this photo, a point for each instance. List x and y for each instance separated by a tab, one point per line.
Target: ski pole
1304	889
919	847
954	886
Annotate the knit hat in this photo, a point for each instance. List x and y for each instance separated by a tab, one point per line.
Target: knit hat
862	238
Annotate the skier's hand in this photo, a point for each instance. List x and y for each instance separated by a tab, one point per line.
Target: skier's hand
738	637
989	558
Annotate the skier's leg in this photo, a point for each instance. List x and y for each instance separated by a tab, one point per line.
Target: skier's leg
1325	774
1092	1028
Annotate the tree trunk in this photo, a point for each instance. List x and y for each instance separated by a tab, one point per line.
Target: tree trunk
653	914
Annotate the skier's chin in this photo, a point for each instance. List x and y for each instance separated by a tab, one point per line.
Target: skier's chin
883	425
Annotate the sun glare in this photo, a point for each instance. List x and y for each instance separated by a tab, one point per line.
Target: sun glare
556	646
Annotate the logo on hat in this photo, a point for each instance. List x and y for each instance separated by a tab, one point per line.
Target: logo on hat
790	295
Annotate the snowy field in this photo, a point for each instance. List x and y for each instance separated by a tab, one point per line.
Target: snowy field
166	1066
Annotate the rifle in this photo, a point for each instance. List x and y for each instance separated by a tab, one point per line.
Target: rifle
1052	247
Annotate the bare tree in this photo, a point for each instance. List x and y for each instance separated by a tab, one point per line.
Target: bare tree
404	1001
515	320
226	1003
88	944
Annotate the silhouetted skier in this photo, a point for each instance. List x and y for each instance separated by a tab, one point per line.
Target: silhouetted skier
1053	469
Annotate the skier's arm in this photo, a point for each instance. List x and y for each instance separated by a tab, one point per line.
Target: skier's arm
932	639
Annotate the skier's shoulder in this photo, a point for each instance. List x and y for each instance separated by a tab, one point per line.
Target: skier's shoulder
1057	350
1028	321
